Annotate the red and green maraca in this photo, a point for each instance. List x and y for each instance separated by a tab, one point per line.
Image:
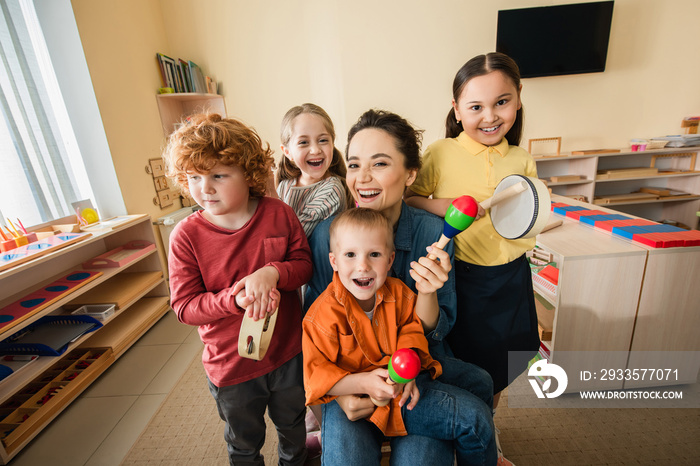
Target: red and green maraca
460	214
404	366
463	210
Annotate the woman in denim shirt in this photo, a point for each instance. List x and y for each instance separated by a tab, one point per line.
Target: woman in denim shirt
383	158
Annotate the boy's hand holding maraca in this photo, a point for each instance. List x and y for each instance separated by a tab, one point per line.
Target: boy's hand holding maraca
404	367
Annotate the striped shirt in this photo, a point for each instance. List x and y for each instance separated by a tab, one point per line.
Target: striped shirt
313	203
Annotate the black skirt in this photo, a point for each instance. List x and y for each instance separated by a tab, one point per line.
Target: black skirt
495	315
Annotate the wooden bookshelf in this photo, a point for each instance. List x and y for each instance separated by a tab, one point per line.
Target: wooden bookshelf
615	179
136	286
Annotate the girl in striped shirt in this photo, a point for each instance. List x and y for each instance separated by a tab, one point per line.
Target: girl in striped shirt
311	175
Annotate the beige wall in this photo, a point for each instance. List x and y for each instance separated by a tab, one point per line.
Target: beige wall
399	55
120	40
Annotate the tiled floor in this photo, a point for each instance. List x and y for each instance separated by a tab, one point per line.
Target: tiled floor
101	425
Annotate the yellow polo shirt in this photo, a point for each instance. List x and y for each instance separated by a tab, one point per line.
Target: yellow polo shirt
457	166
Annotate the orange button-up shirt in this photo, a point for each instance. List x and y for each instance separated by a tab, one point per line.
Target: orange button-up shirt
339	340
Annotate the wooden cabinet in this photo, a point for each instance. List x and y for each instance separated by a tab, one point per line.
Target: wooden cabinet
33	396
174	107
616	299
614	180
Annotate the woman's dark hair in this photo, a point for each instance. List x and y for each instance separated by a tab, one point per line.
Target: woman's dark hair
407	138
479	66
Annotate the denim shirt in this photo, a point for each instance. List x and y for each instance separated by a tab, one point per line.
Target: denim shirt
416	230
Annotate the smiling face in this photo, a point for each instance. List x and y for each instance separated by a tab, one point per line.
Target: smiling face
223	193
310	148
362	256
487	107
377	175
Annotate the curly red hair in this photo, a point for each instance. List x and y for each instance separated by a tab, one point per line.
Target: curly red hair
204	140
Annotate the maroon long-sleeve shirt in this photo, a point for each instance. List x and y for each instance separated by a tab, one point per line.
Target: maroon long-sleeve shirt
204	263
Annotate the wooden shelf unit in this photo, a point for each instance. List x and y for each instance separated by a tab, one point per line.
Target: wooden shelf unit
678	170
141	307
174	107
618	299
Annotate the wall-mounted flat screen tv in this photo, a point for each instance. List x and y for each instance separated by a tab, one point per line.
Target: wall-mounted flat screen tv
556	40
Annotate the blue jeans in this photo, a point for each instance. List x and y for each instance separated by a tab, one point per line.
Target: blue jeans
467	376
446	419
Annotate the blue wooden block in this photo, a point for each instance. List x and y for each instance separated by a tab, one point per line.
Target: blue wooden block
629	231
662	228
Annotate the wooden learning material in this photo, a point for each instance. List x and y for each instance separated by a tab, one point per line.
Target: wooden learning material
646	232
121	255
40	299
545	317
565	178
556	139
632	172
691	156
110	223
595	151
404	366
33	250
255	336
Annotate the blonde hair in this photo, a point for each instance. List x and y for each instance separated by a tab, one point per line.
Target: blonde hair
287	170
205	140
362	217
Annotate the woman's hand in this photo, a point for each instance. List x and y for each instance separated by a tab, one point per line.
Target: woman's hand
431	275
410	390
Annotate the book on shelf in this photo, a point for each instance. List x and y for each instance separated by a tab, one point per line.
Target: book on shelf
185	67
212	87
168	66
197	78
184	76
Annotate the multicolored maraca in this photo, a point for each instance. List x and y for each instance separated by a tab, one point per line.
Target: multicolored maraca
404	366
461	213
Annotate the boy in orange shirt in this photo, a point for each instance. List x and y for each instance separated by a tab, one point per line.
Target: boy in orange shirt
349	335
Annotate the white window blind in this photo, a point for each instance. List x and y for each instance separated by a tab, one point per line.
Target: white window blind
39	157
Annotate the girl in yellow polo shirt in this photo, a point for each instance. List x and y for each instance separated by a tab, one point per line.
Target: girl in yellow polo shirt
495	301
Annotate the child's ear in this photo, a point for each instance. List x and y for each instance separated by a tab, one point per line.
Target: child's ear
285	151
331	257
454	106
520	101
391	260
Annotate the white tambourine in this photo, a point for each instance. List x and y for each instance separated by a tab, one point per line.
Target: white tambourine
523	215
